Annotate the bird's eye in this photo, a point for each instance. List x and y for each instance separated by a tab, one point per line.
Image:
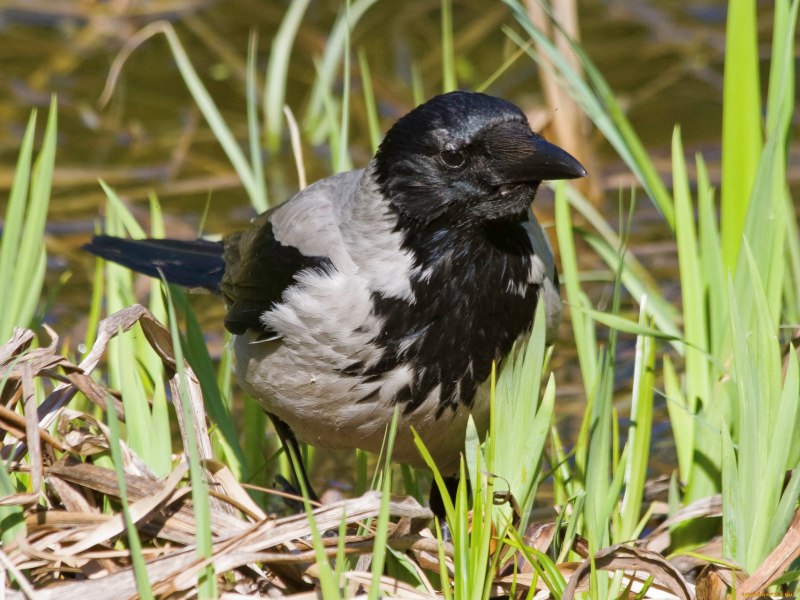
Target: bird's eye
453	158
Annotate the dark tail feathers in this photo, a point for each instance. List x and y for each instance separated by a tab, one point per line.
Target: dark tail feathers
191	264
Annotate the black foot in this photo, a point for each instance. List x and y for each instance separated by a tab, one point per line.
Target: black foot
293	498
300	478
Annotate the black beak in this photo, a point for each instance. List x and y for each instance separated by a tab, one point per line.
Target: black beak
550	162
536	159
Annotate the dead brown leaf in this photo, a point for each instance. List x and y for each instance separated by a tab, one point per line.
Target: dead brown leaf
632	561
715	582
777	562
659	538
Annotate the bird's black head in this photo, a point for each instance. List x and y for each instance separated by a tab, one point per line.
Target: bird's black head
468	158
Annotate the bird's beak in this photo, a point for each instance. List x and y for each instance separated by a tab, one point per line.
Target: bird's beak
539	160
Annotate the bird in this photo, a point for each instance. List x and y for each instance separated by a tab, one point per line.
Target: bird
392	286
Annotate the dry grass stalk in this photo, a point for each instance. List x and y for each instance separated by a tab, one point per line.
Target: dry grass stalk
568	124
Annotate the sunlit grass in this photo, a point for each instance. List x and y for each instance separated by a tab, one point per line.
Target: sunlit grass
22	254
702	407
731	385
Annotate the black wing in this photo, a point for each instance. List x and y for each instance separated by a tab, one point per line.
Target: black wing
258	269
251	269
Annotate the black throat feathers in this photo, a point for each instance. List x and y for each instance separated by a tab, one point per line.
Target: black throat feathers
472	299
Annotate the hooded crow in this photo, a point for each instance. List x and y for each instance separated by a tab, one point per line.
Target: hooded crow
393	285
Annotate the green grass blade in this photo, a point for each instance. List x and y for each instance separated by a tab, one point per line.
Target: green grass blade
278	69
714	273
681	419
328	582
447	592
207	585
472	449
782	453
544	566
214	119
121	212
741	466
636	279
732	517
327	576
702	481
254	440
765	226
762	404
782	517
562	480
123	377
641	422
581	326
623	325
340	157
768	459
523	418
791	302
598	464
382	527
599	104
449	508
22	254
781	82
785	418
463	566
225	430
30	262
449	79
153	369
253	126
147	432
370	106
741	123
342	563
203	100
335	47
639	284
780	101
344	163
134	543
12	230
507	64
417	85
12	518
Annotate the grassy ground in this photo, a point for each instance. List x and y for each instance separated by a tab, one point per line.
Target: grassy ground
124	472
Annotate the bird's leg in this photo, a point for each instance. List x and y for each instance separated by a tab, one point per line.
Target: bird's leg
435	501
292	449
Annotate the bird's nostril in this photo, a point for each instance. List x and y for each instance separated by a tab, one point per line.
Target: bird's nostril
507	188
